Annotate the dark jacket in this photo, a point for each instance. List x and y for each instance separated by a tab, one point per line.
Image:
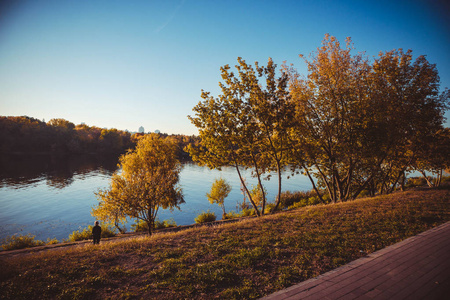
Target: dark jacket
96	231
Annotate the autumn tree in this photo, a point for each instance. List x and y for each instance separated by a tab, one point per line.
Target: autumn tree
359	124
147	181
410	108
219	191
246	125
329	103
219	122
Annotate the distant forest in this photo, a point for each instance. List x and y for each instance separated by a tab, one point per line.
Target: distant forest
29	135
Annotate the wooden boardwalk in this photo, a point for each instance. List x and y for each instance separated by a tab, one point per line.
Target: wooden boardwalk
416	268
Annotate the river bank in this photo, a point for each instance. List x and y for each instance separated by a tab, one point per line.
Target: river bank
246	259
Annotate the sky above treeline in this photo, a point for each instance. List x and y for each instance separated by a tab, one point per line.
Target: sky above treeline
125	64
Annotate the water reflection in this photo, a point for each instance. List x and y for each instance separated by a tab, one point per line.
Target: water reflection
51	196
58	171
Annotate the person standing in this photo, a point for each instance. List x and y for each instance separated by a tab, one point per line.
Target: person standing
96	233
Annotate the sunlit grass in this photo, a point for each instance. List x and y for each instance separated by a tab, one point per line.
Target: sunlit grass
241	260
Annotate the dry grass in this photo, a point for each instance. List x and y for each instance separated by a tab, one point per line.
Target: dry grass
242	260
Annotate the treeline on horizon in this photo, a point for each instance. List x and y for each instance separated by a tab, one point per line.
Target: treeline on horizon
29	135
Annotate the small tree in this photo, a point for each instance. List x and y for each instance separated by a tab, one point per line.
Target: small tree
258	193
147	180
219	191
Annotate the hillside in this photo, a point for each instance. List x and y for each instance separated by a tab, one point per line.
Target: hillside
243	260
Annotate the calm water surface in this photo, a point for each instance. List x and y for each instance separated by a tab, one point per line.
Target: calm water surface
50	197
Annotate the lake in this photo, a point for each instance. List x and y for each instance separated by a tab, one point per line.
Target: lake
51	196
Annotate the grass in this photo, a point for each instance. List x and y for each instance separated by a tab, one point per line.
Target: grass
243	260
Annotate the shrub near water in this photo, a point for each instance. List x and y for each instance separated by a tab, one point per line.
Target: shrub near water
20	242
165	224
86	233
231	215
141	226
298	199
205	217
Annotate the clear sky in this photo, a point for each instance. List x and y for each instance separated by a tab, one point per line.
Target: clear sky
124	64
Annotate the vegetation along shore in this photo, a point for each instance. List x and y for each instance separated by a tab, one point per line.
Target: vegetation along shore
242	260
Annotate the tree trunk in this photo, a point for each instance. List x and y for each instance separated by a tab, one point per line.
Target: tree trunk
116	224
430	184
263	206
439	178
224	213
247	191
314	186
279	187
150	222
402	182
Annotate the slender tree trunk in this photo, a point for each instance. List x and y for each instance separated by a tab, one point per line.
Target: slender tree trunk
402	182
247	191
395	182
152	216
116	224
314	186
224	213
279	187
327	184
430	184
363	186
439	178
258	175
348	180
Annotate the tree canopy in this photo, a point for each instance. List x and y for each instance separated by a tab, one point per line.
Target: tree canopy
147	181
219	191
352	124
360	125
246	125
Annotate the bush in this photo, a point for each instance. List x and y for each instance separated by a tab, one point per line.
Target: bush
247	212
20	242
230	215
289	198
164	224
314	200
170	223
415	181
205	217
51	241
270	207
141	226
86	234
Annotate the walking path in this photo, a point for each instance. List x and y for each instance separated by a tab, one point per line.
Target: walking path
416	268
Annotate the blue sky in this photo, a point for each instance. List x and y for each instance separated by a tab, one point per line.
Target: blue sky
125	64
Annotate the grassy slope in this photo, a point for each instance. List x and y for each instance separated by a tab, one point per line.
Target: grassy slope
245	260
